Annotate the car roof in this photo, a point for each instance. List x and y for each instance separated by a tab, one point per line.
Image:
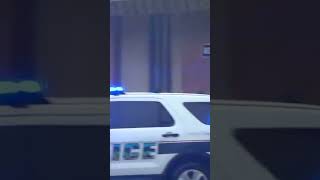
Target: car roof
161	95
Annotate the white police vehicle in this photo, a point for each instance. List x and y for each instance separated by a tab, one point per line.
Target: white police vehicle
159	135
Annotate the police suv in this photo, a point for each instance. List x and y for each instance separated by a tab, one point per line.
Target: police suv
159	135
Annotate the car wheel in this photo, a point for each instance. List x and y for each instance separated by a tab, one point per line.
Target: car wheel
190	171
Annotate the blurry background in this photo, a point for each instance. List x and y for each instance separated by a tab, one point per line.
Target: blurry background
63	42
266	51
157	45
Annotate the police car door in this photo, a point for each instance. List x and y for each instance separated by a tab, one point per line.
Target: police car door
137	126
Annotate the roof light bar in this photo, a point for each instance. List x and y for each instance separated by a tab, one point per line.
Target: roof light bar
116	90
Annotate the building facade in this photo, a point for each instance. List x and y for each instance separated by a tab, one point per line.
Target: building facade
159	48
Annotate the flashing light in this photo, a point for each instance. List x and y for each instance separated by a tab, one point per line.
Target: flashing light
116	90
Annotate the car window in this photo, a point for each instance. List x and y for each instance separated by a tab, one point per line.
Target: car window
201	110
130	114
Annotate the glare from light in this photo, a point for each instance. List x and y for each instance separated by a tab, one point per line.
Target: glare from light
8	87
116	90
11	87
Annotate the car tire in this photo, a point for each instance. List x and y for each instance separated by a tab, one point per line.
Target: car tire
189	171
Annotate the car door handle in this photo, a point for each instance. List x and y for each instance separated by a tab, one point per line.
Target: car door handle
169	134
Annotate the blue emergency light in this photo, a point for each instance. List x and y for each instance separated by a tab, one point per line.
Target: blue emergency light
21	93
116	90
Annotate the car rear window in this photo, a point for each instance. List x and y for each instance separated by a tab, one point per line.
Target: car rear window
201	110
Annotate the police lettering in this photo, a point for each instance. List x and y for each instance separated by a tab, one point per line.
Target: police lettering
132	151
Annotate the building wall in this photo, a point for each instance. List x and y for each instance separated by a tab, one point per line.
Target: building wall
135	66
188	33
191	72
